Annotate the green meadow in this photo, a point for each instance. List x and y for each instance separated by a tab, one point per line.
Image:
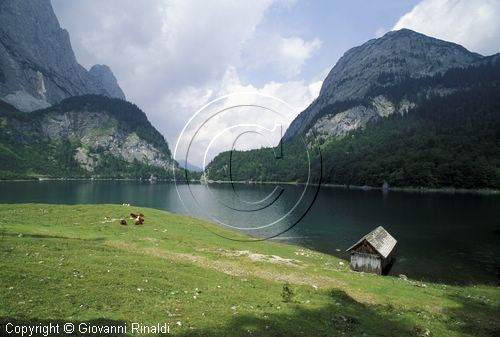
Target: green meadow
78	264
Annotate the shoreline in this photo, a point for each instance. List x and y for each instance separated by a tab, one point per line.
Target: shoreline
408	189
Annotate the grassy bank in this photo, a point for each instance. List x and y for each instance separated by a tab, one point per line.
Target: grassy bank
71	264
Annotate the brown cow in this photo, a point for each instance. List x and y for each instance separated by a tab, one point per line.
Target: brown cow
138	218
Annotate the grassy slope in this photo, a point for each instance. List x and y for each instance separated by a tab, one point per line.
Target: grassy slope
69	264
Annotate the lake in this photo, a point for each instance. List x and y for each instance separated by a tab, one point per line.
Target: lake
453	238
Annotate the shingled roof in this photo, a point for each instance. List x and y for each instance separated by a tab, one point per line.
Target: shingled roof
380	240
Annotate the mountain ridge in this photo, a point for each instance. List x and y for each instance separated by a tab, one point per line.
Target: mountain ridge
440	130
56	118
38	67
381	62
82	136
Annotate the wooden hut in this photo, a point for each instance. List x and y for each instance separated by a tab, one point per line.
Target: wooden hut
373	252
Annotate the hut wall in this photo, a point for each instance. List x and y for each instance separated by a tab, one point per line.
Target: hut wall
369	263
386	261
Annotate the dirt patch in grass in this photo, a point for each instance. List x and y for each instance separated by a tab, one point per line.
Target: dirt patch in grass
235	268
256	257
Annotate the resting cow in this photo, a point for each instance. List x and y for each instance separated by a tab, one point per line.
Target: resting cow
138	218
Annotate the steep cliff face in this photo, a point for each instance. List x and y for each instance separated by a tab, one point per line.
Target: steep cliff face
96	136
380	63
37	65
96	133
104	78
357	117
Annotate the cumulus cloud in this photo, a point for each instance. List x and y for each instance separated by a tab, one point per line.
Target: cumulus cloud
286	55
380	32
473	24
172	57
293	97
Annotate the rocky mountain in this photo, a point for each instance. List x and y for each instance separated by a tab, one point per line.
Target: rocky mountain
37	65
59	120
405	110
82	136
365	70
104	78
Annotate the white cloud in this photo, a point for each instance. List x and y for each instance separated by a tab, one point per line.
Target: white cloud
285	55
473	24
380	32
296	96
171	57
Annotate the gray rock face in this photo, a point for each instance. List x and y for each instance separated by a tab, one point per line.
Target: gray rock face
344	122
382	62
105	79
37	64
99	132
340	124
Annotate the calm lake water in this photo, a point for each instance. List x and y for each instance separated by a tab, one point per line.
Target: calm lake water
441	237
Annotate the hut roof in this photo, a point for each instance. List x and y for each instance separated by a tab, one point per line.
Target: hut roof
380	239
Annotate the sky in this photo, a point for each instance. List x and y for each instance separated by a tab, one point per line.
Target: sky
172	57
